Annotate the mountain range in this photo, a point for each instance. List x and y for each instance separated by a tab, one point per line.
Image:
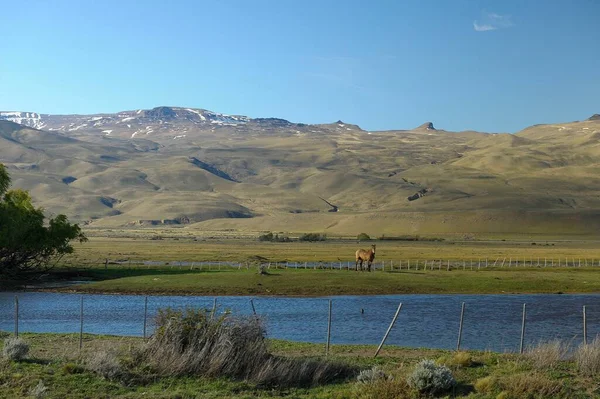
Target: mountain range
198	169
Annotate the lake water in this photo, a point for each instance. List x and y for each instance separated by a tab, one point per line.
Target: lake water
491	322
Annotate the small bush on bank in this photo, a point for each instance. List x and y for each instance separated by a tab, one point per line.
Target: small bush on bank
429	378
15	349
363	237
313	237
273	238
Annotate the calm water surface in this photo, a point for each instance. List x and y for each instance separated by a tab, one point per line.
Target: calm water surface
491	321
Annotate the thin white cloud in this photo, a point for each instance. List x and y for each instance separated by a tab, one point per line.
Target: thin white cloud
492	21
483	28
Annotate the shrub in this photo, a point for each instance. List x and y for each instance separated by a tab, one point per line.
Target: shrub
105	364
363	237
266	237
190	342
15	349
547	355
313	237
273	238
587	358
431	378
371	375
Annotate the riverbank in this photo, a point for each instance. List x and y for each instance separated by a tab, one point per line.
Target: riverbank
306	283
55	360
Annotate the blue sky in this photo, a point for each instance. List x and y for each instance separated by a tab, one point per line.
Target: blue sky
463	64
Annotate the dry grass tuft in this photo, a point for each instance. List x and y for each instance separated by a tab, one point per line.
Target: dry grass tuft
462	359
548	355
384	388
39	391
485	384
532	385
587	358
191	342
104	363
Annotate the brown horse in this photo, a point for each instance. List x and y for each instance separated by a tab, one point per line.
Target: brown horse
368	256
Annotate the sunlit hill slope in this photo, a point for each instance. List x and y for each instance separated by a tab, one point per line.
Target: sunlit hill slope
197	169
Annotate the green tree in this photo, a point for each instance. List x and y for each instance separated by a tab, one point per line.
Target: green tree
28	242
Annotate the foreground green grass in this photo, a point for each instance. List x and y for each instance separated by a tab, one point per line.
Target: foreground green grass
335	282
55	360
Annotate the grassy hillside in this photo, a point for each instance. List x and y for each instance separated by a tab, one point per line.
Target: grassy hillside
256	176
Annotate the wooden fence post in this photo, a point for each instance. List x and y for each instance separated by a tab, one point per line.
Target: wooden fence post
145	314
214	309
16	316
523	329
460	326
584	327
80	324
389	329
328	330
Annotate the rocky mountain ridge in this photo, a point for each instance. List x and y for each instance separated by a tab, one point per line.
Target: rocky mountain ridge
160	122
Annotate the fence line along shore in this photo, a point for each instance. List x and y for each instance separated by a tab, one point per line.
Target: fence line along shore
145	335
384	265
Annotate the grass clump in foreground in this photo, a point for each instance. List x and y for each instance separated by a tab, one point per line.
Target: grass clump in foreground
193	342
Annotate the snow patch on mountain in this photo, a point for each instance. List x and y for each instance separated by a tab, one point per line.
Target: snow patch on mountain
30	119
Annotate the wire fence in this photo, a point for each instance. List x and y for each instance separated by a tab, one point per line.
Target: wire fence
383	265
504	323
